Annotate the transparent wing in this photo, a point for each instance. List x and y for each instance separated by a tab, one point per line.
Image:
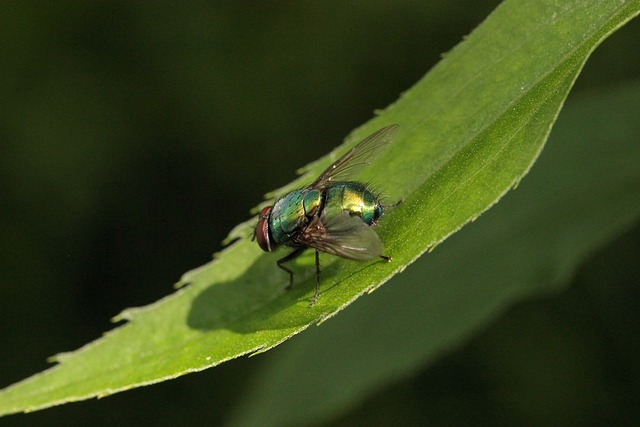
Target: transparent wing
359	156
343	235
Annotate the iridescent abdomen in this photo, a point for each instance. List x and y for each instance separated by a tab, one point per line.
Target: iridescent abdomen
355	198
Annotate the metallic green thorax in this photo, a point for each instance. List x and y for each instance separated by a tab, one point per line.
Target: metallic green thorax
294	211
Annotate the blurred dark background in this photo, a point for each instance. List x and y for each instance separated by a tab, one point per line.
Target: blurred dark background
135	135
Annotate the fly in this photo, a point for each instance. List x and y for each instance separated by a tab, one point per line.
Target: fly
332	215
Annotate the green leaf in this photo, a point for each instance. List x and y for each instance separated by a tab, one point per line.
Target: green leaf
582	193
469	131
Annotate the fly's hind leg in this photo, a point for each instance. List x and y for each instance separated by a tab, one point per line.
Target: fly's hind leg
394	205
293	255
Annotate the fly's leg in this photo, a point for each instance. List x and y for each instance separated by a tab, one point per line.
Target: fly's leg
393	205
396	204
315	297
293	255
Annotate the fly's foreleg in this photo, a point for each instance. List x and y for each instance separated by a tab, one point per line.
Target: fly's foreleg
293	255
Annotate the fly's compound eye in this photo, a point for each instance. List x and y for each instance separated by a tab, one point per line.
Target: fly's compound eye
262	230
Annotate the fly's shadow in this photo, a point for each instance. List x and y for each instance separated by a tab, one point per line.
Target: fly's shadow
252	301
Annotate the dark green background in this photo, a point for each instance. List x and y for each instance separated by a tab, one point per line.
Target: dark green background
135	135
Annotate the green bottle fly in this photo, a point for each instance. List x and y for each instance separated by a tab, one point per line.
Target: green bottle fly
332	215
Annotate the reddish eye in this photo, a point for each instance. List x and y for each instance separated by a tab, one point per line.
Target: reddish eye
262	229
